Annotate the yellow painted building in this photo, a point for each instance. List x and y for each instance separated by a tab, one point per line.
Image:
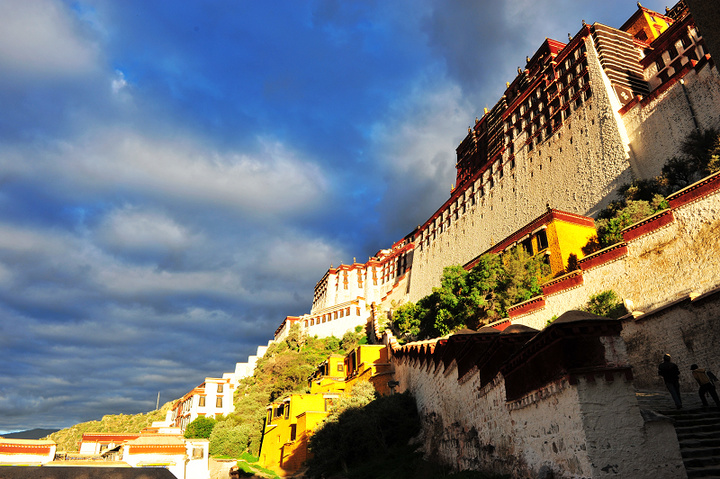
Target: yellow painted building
290	422
555	235
288	425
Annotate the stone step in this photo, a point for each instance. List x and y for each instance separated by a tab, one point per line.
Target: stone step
693	413
698	432
699	452
700	440
698	421
693	462
683	431
706	472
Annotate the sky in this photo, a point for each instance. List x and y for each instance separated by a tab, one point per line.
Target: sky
175	177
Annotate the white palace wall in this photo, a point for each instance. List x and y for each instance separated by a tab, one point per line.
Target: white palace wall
658	127
582	424
664	258
578	169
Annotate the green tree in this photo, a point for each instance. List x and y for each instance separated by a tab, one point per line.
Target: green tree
606	303
360	434
200	428
645	197
472	298
229	439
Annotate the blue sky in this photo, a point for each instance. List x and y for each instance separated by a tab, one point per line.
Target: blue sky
175	177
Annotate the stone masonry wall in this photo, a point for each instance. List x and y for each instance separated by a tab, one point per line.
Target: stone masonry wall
578	169
584	421
687	329
657	128
664	258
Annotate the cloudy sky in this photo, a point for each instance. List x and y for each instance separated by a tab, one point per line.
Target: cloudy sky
175	177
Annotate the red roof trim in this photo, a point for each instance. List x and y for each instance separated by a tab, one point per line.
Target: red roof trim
604	256
529	306
702	188
648	225
43	449
569	281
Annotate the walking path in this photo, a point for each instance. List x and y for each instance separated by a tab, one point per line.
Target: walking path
660	401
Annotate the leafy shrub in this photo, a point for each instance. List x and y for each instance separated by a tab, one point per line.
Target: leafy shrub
361	434
200	428
606	303
229	440
472	298
645	197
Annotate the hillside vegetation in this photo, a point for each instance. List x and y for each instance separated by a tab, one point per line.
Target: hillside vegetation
69	439
643	198
284	369
471	299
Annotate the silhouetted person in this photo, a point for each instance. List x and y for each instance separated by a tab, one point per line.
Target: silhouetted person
671	375
706	380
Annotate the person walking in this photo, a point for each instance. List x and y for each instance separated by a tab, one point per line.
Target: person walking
671	375
706	380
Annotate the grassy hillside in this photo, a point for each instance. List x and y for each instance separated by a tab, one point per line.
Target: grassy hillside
69	439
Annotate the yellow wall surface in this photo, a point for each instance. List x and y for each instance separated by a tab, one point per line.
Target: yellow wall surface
569	238
303	413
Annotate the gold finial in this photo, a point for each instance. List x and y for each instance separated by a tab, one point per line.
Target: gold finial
569	36
639	5
469	130
583	22
527	59
452	188
354	261
477	120
486	110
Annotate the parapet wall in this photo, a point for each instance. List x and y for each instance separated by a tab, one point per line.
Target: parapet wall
559	401
688	329
663	258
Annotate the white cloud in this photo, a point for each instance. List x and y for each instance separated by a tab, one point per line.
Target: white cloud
422	130
134	229
41	38
273	181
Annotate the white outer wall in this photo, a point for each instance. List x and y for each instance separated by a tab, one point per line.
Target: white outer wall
577	170
658	129
660	267
593	429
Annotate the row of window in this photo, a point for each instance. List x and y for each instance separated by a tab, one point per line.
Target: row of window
672	60
327	317
390	270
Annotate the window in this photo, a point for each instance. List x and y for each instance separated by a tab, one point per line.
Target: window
672	51
219	388
542	241
198	453
527	246
293	432
287	411
340	367
218	402
201	401
660	63
686	42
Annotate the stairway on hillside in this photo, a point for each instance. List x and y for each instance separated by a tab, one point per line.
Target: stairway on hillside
698	431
